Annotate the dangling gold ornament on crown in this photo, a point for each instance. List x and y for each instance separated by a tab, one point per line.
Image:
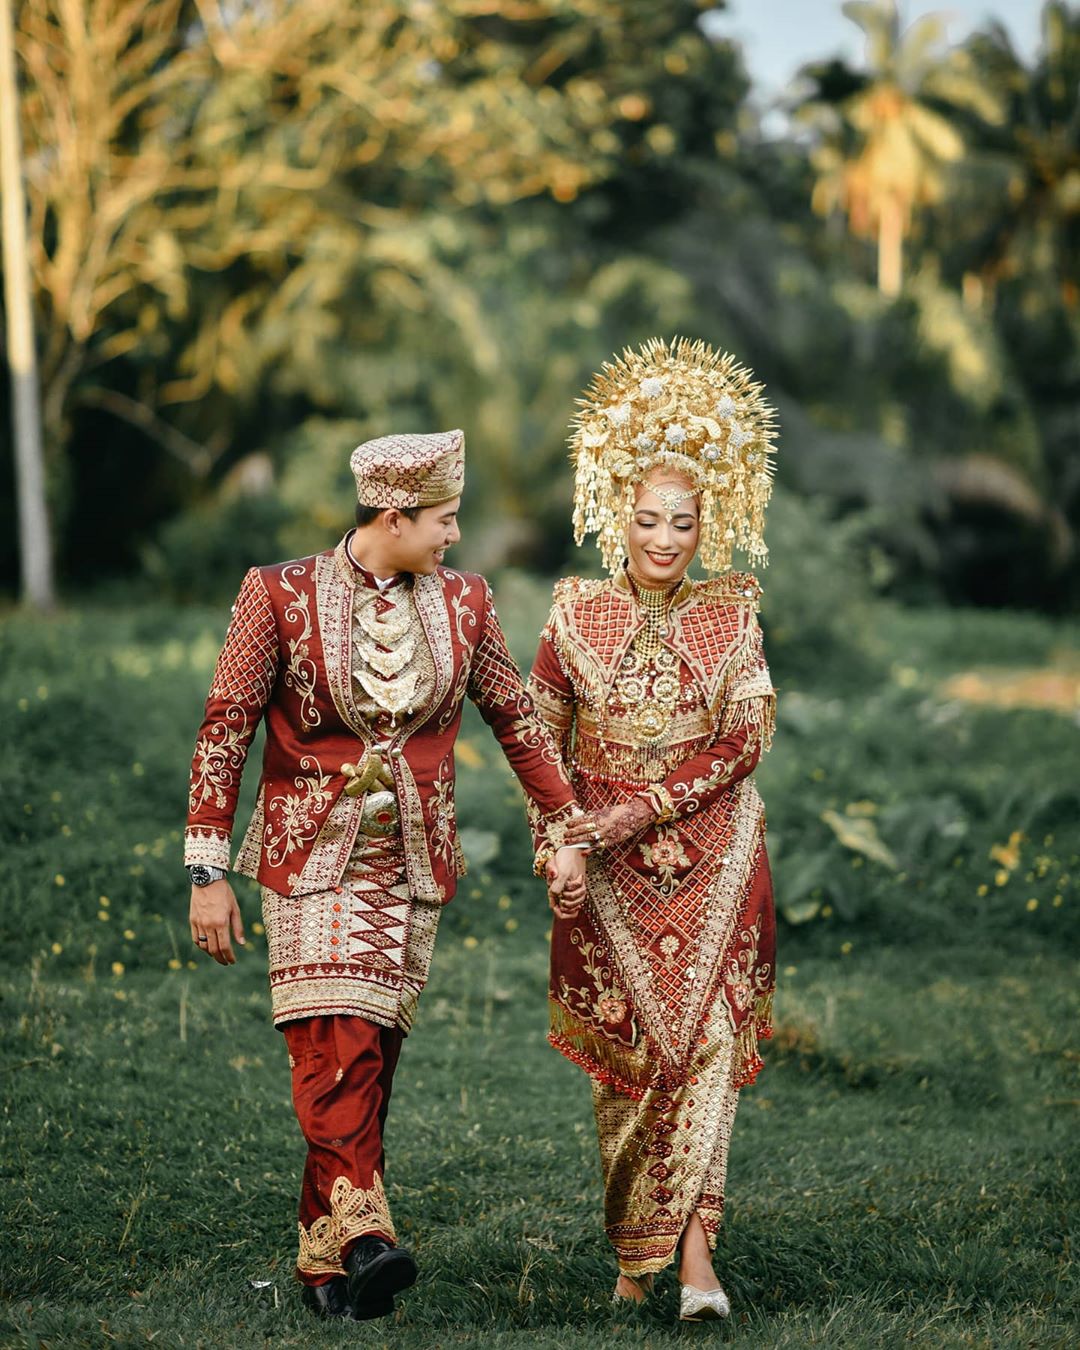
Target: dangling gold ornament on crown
683	407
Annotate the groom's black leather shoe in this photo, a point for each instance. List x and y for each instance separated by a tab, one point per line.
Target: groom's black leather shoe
332	1300
377	1271
328	1300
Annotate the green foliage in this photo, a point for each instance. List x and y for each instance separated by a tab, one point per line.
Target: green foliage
815	595
204	553
487	206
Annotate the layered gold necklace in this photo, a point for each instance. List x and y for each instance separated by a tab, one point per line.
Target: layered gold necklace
648	683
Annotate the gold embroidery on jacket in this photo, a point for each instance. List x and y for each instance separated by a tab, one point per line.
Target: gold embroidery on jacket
219	757
335	584
441	810
300	673
298	812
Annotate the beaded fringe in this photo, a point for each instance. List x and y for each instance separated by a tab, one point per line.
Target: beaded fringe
607	1063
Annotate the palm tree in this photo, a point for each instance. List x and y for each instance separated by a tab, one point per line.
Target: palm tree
886	135
1028	166
35	555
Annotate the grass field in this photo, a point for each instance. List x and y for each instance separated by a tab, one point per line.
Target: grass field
903	1173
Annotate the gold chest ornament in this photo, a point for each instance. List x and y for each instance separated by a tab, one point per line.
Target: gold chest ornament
648	683
384	649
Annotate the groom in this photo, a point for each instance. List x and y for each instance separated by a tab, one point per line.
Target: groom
358	660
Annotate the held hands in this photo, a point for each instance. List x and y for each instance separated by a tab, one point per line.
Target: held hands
566	882
215	916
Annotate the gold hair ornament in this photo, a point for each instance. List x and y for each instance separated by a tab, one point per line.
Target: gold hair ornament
686	408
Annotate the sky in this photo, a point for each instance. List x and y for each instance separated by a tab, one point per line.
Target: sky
778	36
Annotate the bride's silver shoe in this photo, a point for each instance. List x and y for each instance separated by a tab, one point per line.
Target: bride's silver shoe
702	1305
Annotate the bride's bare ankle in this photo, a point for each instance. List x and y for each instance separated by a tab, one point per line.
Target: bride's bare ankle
633	1287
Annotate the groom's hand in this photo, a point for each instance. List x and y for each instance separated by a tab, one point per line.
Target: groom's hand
215	917
566	882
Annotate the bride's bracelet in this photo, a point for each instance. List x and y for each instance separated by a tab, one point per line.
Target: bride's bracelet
660	799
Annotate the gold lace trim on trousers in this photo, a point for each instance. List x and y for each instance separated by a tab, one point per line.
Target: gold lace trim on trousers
353	1212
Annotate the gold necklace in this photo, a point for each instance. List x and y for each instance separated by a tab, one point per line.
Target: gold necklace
650	685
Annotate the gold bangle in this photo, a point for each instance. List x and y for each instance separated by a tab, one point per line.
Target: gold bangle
661	801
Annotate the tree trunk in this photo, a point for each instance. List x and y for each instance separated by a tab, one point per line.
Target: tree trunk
35	550
890	248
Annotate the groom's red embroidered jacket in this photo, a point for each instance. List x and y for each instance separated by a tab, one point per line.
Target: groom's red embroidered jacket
287	659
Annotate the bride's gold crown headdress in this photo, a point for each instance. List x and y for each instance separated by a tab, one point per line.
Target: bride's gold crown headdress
683	407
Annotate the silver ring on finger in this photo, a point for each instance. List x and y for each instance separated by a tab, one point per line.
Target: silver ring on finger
202	939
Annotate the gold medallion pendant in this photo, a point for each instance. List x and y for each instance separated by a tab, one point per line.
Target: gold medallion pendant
650	722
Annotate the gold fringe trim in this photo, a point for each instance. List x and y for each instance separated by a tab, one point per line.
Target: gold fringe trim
627	1070
353	1212
747	1062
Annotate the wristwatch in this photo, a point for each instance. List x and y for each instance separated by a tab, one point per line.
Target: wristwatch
201	875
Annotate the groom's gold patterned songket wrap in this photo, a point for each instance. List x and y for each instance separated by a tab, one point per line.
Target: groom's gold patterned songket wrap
687	408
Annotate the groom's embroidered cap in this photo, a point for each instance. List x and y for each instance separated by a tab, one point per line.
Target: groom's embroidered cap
407	471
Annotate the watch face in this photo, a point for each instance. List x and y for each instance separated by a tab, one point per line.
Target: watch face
200	876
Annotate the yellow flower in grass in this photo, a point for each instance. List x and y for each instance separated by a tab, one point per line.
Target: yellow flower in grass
1008	855
56	949
845	948
983	889
117	968
1032	905
1001	877
59	879
174	964
258	929
1057	901
470	942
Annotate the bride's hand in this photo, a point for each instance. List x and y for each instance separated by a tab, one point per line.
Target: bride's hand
615	824
582	830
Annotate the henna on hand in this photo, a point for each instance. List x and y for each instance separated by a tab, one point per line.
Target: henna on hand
621	822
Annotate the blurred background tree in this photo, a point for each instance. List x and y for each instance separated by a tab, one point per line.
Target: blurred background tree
261	233
887	141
